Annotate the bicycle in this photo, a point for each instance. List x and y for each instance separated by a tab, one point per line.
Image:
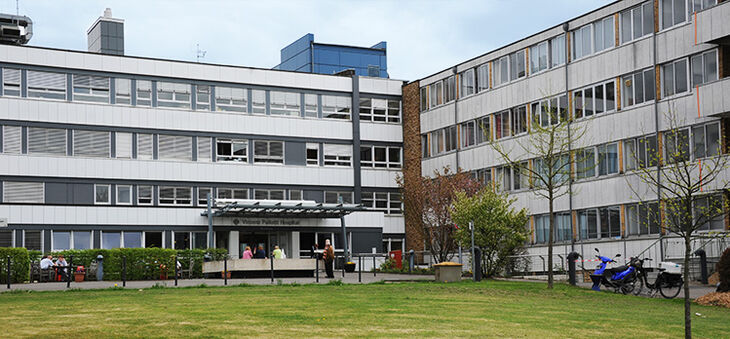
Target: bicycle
667	284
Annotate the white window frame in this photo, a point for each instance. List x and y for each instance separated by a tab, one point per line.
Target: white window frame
202	195
258	101
535	51
311	106
674	78
674	24
151	196
560	40
337	155
231	157
91	88
123	141
283	103
268	158
49	91
29	192
704	67
605	86
143	92
119	187
585	29
108	194
203	97
339	194
12	81
181	95
119	91
176	201
632	77
232	99
467	83
336	107
482	75
311	146
147	137
233	192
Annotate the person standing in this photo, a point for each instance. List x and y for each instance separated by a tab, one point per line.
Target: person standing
276	253
260	253
329	259
247	253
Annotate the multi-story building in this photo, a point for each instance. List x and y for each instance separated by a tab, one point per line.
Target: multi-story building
99	150
306	55
616	71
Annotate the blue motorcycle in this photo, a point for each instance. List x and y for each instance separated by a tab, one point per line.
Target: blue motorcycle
622	278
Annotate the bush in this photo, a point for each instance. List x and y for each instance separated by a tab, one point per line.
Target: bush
723	270
19	264
389	267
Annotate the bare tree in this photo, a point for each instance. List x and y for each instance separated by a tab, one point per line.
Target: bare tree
545	157
685	183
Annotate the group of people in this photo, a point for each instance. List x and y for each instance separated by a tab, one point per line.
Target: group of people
60	265
260	253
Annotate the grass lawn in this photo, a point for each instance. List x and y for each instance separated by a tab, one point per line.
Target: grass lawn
486	309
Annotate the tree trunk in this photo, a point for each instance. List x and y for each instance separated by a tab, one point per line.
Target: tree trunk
687	311
550	242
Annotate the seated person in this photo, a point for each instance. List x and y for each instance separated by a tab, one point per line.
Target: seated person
61	272
47	262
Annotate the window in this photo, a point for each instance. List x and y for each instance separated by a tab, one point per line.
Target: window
483	77
205	149
389	203
337	197
504	178
91	143
233	193
90	88
11	82
312	154
519	120
437	142
175	195
200	240
260	194
336	107
610	222
517	65
102	195
132	239
638	87
124	194
424	146
381	110
484	176
468	138
82	240
182	240
32	240
710	209
672	12
12	139
232	150
123	145
173	94
706	140
123	91
111	240
630	155
380	156
520	176
271	152
23	192
501	125
232	99
144	195
258	101
581	42
437	94
202	97
51	141
175	147
467	83
704	68
676	146
596	223
563	230
539	57
608	159
483	130
500	71
550	111
47	85
450	138
424	99
394	111
450	89
337	155
646	151
603	36
144	92
594	100
637	22
285	103
557	51
585	163
310	106
144	146
699	5
295	194
203	195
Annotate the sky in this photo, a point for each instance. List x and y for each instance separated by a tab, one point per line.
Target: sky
423	37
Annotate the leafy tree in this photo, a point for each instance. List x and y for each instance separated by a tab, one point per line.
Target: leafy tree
432	198
499	230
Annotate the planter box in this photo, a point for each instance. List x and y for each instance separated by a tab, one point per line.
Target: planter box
79	277
350	267
447	272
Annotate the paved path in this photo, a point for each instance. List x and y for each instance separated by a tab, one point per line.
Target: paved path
696	290
350	278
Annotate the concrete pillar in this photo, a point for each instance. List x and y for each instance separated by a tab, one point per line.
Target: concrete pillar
294	251
233	247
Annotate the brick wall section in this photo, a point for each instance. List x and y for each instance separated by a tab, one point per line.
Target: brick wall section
415	238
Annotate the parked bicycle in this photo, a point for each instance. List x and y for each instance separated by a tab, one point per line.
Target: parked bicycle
668	282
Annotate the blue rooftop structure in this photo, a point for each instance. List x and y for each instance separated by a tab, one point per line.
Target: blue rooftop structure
305	55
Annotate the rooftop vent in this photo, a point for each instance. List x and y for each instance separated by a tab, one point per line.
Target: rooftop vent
15	29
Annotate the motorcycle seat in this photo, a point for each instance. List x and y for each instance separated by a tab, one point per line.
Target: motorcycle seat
617	269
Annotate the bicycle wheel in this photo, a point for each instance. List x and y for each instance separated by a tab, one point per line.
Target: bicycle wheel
670	288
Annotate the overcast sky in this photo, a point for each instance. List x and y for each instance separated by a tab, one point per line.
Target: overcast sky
423	36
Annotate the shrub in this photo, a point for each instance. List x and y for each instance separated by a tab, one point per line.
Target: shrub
19	264
723	270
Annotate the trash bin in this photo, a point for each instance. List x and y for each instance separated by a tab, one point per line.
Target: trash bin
447	271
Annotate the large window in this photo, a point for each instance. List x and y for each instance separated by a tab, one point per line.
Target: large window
285	103
90	88
202	97
563	230
336	107
175	147
132	239
450	138
582	42
710	209
467	83
23	192
643	218
144	146
517	65
557	51
500	71
388	202
203	195
205	149
501	125
437	142
111	240
704	68
638	88
337	155
310	106
144	195
331	197
11	82
91	143
123	91
539	57
48	85
176	195
81	240
595	99
483	130
173	94
380	156
698	5
381	110
424	98
597	223
468	137
233	193
102	194
607	158
436	92
232	150
676	146
637	22
603	34
424	146
674	75
450	89
260	194
551	111
312	154
124	194
51	141
519	120
12	136
647	151
144	92
706	140
585	163
483	77
258	101
271	152
672	12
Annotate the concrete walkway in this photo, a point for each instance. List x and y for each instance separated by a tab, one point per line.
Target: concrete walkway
696	289
350	278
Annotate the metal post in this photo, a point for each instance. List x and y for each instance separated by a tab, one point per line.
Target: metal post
68	271
316	269
8	281
703	265
124	271
461	258
225	270
175	263
344	237
572	257
211	241
359	269
411	260
473	258
374	268
344	263
271	260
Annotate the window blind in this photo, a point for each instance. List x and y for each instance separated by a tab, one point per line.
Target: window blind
91	143
27	192
11	139
46	141
175	147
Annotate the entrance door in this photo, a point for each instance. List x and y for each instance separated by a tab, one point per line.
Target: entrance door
153	239
254	240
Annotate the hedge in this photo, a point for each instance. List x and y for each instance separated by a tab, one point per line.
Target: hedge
19	264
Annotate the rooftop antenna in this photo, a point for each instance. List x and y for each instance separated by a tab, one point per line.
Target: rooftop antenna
199	53
17	8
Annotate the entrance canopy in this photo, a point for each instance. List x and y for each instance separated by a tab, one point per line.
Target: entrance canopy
280	209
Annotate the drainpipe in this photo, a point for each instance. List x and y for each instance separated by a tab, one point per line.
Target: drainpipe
456	117
566	29
656	126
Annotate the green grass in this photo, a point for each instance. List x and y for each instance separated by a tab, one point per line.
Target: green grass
486	309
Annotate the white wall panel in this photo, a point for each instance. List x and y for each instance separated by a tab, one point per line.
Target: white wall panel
381	132
379	178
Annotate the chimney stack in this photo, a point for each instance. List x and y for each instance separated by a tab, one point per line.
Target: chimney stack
106	35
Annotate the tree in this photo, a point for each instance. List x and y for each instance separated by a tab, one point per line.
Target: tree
432	199
545	157
499	230
686	188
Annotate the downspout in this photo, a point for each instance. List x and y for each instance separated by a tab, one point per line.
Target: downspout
566	29
656	121
456	116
